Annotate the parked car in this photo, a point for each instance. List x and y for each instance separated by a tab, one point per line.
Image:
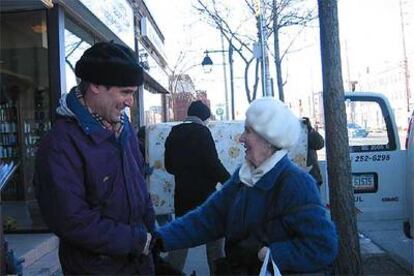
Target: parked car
356	131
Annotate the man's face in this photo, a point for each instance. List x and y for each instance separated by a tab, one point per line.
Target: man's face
110	102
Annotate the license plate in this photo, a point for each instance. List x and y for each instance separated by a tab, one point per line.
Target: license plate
365	182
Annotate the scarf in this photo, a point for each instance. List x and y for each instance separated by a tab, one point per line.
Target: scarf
249	175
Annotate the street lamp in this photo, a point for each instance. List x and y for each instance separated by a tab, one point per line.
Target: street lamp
207	64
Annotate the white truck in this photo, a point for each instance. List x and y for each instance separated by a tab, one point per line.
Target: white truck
383	184
382	172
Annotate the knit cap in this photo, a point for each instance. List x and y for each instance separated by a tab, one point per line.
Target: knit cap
108	63
274	122
199	109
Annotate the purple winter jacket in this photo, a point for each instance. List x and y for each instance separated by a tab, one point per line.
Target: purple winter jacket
93	196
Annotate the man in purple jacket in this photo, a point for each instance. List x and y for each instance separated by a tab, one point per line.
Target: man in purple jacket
89	171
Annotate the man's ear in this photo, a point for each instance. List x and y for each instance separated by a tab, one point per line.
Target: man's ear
95	88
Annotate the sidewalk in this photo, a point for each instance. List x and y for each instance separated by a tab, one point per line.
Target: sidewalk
375	260
382	265
388	235
40	251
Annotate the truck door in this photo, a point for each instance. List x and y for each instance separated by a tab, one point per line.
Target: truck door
378	163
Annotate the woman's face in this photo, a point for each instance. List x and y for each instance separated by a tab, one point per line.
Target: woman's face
257	148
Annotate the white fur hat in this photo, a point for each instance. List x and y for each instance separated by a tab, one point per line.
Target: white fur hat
274	122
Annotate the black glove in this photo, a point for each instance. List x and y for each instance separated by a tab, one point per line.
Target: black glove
156	244
243	254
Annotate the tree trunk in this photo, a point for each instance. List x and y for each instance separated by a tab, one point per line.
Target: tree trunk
278	62
348	261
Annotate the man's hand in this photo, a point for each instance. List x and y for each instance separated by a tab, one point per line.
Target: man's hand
147	248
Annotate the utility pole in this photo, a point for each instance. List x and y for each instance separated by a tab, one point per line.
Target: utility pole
231	80
226	93
405	61
262	37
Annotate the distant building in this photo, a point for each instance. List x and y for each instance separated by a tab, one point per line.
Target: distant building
185	93
181	102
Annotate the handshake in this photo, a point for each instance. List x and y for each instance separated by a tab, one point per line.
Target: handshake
154	246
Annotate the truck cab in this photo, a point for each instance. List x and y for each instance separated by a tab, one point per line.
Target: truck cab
379	165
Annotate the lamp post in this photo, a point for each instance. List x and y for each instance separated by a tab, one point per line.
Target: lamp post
207	64
259	10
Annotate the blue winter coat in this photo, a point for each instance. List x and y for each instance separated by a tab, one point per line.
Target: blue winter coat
298	232
93	196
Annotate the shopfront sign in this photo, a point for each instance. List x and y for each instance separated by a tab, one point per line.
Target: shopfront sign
117	15
150	36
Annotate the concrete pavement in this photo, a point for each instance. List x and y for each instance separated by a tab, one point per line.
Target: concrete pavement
384	249
388	235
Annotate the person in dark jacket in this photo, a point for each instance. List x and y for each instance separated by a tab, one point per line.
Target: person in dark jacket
89	175
269	207
315	142
191	156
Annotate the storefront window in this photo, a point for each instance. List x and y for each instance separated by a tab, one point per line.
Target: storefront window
152	108
77	41
24	110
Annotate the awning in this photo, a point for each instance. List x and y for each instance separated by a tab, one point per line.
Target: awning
153	86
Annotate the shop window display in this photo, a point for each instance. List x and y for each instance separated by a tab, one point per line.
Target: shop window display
24	110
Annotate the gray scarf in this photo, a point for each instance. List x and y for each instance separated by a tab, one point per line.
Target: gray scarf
194	119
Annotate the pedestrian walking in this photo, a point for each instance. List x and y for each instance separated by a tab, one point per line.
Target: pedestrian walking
269	207
315	142
89	175
191	156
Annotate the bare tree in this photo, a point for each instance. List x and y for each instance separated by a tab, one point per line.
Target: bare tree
217	15
178	80
337	149
286	13
278	14
177	70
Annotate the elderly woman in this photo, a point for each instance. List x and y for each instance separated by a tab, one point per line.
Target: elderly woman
268	204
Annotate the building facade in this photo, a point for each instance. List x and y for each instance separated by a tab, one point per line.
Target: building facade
41	40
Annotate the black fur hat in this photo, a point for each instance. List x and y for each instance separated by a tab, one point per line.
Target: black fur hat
108	63
199	109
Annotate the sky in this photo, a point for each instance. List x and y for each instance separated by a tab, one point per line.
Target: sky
370	34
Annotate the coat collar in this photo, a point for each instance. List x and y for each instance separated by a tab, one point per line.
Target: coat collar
194	119
89	125
269	179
